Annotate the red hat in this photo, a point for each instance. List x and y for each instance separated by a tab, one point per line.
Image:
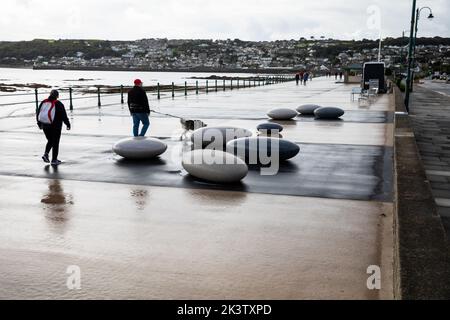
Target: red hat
137	82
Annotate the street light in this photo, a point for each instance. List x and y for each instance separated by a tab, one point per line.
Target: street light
412	47
430	17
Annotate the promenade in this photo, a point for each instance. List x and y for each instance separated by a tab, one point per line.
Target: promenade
147	230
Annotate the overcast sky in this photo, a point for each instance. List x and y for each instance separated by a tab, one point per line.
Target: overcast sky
215	19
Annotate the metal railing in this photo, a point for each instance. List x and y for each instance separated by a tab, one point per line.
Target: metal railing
160	91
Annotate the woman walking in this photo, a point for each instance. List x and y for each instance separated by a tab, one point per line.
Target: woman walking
50	117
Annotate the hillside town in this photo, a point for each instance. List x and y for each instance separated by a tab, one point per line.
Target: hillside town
318	55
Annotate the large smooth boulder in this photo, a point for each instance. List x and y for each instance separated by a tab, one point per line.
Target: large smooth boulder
282	114
214	166
252	149
307	109
329	113
270	127
139	148
217	137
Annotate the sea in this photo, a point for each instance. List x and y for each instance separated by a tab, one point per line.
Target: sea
17	93
66	78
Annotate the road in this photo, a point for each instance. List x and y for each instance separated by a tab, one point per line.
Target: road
430	115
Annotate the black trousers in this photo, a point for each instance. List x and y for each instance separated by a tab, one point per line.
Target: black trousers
53	135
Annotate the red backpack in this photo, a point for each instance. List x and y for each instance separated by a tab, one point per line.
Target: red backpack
47	111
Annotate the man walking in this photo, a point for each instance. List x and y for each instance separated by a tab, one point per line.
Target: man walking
139	108
50	116
297	77
305	78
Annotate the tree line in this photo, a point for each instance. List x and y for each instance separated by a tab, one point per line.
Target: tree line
28	50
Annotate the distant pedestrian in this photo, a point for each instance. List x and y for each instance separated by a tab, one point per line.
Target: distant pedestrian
50	117
336	75
341	75
305	78
301	77
139	108
297	77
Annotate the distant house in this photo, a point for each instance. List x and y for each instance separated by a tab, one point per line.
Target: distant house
353	73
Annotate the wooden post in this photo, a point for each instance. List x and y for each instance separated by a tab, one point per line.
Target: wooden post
70	99
36	98
98	97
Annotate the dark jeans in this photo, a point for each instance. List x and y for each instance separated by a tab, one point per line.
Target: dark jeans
53	136
137	119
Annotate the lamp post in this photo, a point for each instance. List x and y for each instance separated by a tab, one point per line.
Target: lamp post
410	50
430	16
412	45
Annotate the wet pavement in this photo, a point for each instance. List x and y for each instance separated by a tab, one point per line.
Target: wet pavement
148	230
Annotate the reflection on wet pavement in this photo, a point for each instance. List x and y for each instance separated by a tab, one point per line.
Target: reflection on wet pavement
140	197
56	204
223	200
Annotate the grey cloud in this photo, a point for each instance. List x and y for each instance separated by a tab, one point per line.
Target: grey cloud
245	19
